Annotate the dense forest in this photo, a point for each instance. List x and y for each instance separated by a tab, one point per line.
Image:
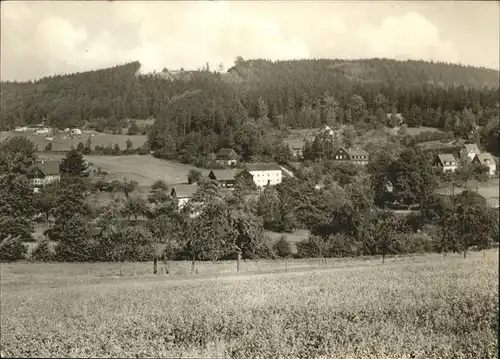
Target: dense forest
198	112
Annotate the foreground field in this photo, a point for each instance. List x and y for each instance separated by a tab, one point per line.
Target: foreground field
143	169
419	307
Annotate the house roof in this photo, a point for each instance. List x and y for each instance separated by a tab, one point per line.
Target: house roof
446	157
472	148
357	152
482	157
295	143
226	152
48	168
184	190
225	175
262	167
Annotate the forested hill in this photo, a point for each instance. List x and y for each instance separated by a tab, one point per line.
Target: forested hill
293	92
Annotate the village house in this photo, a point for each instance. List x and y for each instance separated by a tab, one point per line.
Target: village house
226	157
44	173
296	148
227	178
487	160
265	174
445	162
469	150
356	156
183	193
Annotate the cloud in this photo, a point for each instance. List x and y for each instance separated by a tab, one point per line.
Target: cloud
409	36
43	38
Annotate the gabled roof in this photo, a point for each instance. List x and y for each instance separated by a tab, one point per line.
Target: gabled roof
472	148
225	175
224	152
262	167
48	168
295	144
184	190
485	157
357	152
446	157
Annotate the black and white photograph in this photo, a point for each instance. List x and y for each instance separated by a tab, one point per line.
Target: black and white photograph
249	179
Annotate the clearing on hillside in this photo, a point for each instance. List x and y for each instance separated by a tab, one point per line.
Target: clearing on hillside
143	169
64	144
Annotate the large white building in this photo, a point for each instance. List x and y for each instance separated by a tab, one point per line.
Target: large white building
265	174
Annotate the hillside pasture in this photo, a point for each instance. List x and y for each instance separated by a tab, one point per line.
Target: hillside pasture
412	131
348	308
143	169
488	190
64	144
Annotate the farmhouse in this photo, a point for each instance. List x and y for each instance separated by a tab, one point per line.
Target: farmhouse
487	160
445	162
469	150
296	147
326	130
44	173
183	193
227	157
227	178
265	174
356	156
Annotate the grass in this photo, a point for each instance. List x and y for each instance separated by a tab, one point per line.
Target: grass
488	190
60	144
143	169
422	307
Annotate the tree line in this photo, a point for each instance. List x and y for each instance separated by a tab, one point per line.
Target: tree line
198	112
343	207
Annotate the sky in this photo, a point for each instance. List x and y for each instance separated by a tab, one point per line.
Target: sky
44	38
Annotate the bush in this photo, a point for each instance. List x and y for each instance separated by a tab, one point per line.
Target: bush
282	248
12	249
48	147
415	243
42	251
143	151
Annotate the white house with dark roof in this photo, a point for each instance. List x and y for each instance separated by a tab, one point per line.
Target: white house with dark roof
183	193
227	178
356	156
265	174
487	160
226	157
44	173
446	162
296	147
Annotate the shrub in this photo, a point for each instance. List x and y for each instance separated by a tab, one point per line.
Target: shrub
48	147
12	249
282	248
42	252
143	151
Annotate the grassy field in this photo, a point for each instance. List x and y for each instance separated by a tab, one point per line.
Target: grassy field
59	144
143	169
420	307
413	131
488	190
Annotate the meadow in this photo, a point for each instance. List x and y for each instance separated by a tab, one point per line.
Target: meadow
425	306
488	190
61	144
143	169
